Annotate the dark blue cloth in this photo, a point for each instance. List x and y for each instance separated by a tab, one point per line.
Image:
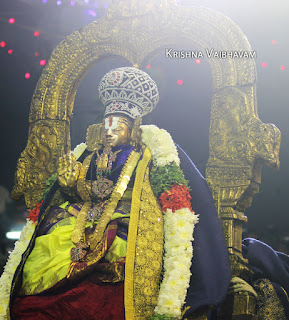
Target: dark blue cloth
211	273
267	263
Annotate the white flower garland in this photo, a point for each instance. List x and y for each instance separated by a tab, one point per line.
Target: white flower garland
161	145
178	229
16	255
11	266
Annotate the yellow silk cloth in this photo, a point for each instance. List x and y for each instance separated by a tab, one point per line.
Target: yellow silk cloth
49	261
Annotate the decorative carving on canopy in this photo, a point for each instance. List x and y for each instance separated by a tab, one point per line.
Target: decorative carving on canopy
139	30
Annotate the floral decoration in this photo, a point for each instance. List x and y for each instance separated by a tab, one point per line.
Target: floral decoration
79	149
11	266
33	214
163	177
177	197
169	184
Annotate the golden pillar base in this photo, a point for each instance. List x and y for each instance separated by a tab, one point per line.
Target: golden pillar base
199	315
239	306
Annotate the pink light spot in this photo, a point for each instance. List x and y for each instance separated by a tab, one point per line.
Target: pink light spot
92	13
2	44
36	33
27	75
42	62
282	68
273	41
36	54
198	61
264	64
180	82
148	66
10	51
11	20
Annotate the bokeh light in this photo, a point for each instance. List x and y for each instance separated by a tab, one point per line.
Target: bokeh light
44	1
92	13
11	20
27	75
36	33
10	51
148	66
58	2
198	61
2	44
180	82
42	62
282	68
273	41
264	64
72	3
36	54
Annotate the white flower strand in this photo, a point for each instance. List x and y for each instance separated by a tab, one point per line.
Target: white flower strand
178	231
161	145
78	150
179	227
11	266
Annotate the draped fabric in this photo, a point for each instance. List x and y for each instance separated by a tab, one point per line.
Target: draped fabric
83	301
266	263
211	273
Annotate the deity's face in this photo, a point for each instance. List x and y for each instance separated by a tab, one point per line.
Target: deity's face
117	131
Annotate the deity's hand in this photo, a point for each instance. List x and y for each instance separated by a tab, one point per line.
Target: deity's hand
68	171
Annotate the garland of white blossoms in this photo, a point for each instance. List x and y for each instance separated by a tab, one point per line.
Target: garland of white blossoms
16	255
178	232
11	266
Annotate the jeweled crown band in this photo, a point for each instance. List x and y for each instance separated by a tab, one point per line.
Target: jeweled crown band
128	91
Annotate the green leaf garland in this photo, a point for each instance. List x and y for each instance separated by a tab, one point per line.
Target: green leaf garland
49	183
162	178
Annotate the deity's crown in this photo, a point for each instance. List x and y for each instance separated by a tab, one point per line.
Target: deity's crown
128	91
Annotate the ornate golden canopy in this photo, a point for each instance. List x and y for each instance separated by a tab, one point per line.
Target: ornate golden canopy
138	31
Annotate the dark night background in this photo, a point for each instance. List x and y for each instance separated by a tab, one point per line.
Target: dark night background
183	110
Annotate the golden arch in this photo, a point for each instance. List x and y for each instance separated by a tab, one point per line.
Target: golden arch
136	30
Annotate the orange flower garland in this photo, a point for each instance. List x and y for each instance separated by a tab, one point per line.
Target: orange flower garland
176	198
33	214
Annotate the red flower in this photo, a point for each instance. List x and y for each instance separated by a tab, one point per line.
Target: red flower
33	214
176	198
